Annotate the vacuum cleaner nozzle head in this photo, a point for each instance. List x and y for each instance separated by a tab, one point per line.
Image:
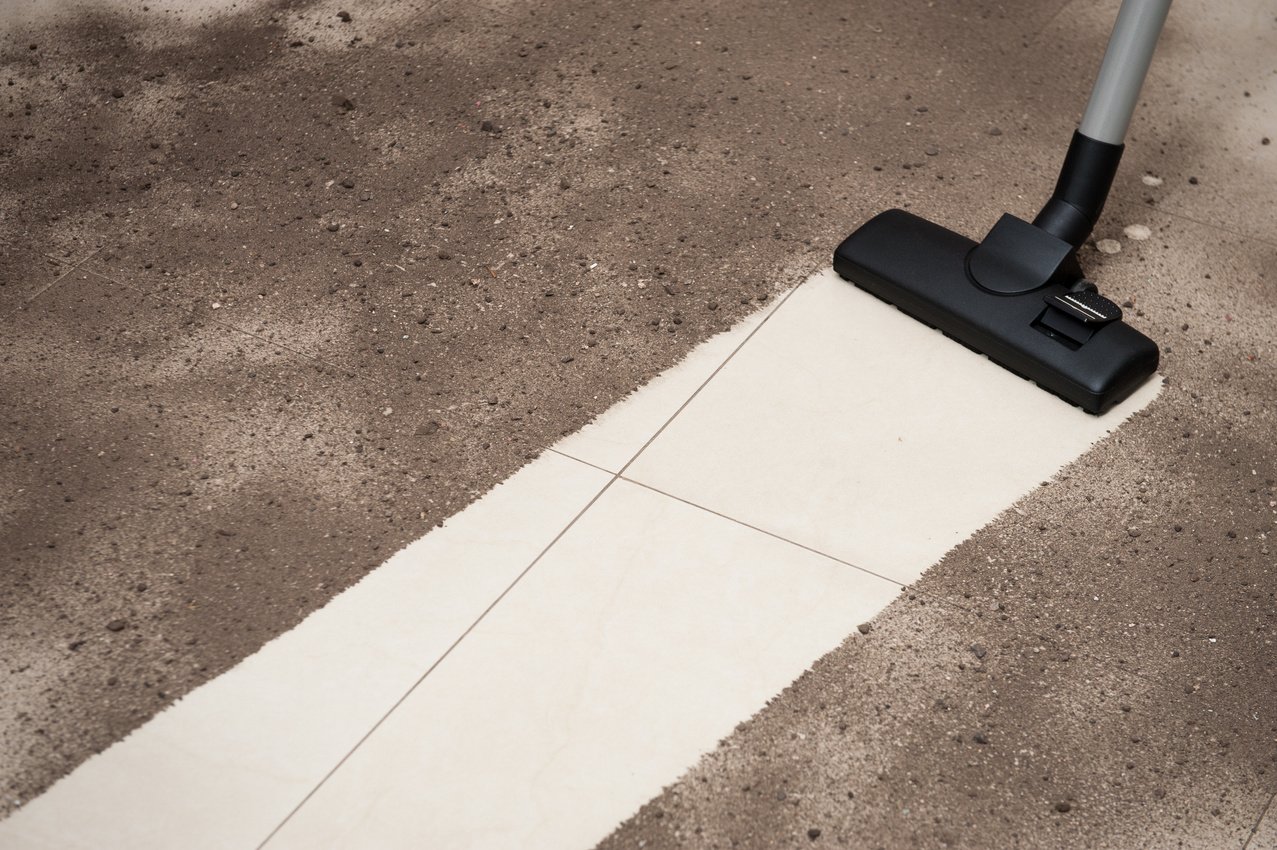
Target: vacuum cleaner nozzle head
1018	297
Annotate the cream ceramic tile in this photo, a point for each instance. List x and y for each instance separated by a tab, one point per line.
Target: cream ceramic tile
846	426
224	766
634	645
617	435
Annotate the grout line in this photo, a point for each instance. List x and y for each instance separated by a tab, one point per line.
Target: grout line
1254	830
54	282
771	534
1032	40
711	377
615	477
937	599
586	462
877	201
375	726
79	264
1161	208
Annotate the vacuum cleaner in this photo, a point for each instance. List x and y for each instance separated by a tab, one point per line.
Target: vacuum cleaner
1019	296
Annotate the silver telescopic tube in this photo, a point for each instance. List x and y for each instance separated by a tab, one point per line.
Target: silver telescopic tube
1126	61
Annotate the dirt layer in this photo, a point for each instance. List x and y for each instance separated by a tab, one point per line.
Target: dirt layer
282	291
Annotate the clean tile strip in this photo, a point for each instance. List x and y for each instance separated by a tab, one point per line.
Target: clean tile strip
378	794
258	738
885	445
644	635
765	531
506	591
721	520
447	652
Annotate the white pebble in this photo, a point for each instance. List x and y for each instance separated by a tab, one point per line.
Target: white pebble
388	411
1150	180
1138	232
1108	246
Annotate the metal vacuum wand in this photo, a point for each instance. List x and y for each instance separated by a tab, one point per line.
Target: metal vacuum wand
1126	61
1096	148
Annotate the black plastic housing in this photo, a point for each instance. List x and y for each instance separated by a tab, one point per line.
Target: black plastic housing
1081	190
922	268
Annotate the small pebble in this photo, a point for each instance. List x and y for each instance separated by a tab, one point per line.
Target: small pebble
978	650
1265	141
1192	181
995	131
333	227
564	184
932	151
864	628
1063	807
1108	246
1150	180
344	17
1138	232
813	834
116	626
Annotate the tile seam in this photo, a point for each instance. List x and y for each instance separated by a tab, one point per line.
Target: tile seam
444	655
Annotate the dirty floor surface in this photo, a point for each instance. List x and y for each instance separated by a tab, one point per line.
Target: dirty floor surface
283	289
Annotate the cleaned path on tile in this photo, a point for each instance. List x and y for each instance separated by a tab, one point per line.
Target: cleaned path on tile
535	670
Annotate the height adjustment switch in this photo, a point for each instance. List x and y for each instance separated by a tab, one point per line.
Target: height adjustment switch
1086	305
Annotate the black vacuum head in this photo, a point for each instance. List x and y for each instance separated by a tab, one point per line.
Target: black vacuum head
1031	311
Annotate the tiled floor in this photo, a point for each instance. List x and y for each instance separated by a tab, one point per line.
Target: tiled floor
532	672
